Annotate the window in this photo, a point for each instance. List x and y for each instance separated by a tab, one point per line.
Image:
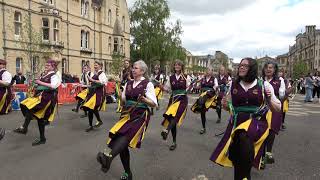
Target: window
84	8
115	45
48	1
18	64
121	46
109	17
124	23
45	29
65	65
85	39
56	30
17	23
109	44
35	62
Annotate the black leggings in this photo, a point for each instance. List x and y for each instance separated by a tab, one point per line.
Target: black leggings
120	146
283	117
90	116
218	108
80	102
173	127
241	153
41	124
270	140
203	119
316	90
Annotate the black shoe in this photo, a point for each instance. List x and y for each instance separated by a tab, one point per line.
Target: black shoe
37	142
173	147
75	110
90	128
83	116
218	120
105	161
283	127
126	176
46	123
99	123
269	158
202	131
164	134
21	130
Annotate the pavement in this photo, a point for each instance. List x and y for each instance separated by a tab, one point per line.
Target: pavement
70	152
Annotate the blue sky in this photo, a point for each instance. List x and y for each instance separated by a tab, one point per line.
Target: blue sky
243	28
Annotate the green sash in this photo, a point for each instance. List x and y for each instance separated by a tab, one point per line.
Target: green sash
133	103
44	88
179	92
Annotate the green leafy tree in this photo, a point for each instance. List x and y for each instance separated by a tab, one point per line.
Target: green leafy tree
300	68
117	64
153	37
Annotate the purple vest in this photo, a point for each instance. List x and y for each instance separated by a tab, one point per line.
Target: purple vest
180	84
96	76
47	78
223	81
276	83
133	93
253	97
207	84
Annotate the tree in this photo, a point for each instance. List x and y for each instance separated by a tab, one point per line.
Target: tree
153	36
300	68
32	45
117	63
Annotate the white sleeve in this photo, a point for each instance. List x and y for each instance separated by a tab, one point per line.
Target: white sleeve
216	85
269	87
103	78
7	77
282	89
55	81
151	94
188	80
123	95
161	78
167	86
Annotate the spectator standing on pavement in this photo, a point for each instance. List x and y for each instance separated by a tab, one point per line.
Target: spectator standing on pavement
18	78
309	85
316	89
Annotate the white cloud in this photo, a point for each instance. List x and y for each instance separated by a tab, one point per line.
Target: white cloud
256	28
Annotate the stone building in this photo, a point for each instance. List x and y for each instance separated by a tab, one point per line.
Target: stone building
306	48
76	32
262	61
284	64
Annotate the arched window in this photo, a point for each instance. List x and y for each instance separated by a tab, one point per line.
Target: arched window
56	30
45	29
18	64
124	23
17	23
84	8
109	17
85	39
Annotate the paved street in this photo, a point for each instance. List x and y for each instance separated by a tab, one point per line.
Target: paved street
70	152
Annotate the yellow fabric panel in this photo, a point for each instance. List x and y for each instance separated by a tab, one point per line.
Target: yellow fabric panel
269	118
210	102
134	141
286	106
223	158
31	102
83	94
125	118
182	117
40	114
3	100
51	118
91	103
104	105
173	108
158	92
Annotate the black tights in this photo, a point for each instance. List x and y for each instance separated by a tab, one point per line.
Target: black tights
203	119
173	127
283	116
120	146
41	124
80	102
90	116
218	108
241	153
270	140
